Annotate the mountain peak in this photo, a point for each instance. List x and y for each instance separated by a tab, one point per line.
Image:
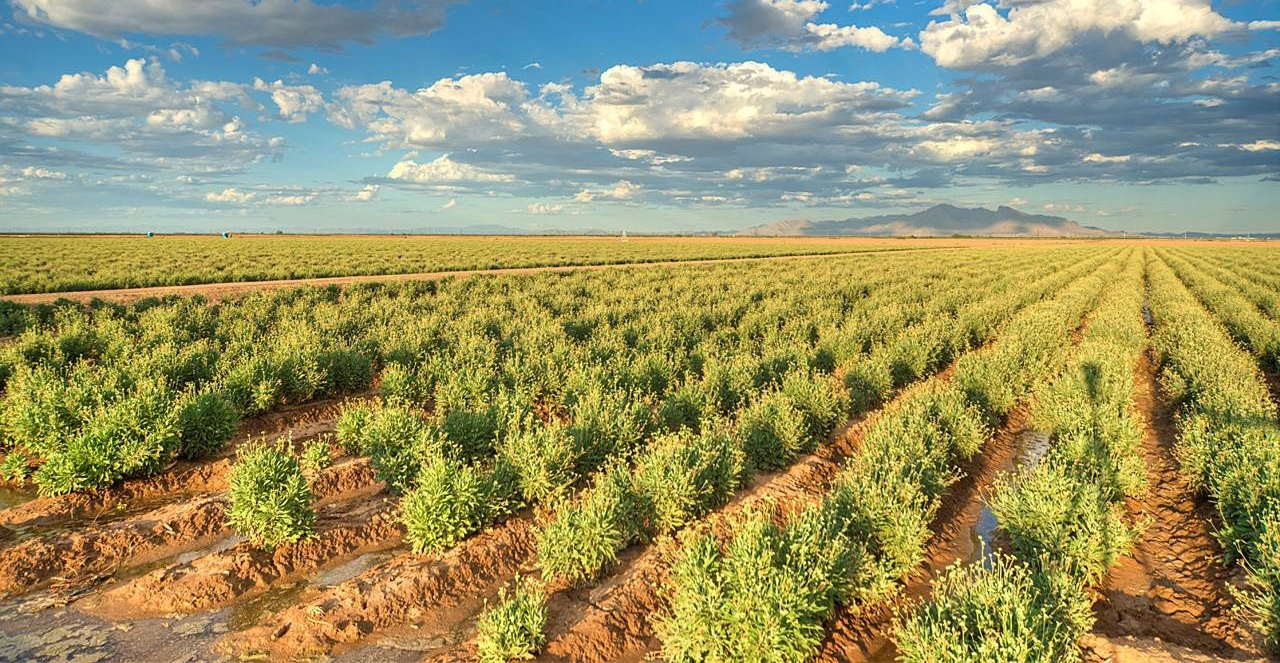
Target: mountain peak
939	220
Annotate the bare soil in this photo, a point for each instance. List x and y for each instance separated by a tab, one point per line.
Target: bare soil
1173	587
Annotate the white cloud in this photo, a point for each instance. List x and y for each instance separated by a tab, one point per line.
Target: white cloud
453	202
294	101
366	194
982	37
1101	158
544	208
471	109
532	65
443	169
1260	145
230	195
290	199
287	23
1057	207
788	24
623	190
316	69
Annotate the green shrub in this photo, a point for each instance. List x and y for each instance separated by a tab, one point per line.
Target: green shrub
682	476
270	499
584	539
512	629
452	501
765	596
14	467
771	432
206	422
1003	613
315	455
545	461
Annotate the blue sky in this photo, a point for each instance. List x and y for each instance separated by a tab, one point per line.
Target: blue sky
659	115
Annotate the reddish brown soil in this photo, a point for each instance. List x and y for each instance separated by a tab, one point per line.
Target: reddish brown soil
862	633
183	479
217	579
406	589
1173	587
92	553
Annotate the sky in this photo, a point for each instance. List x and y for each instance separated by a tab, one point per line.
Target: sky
646	116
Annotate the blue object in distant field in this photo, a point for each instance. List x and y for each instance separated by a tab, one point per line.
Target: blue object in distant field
150	234
226	234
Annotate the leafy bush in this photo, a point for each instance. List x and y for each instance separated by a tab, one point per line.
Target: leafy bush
582	540
771	432
14	467
270	499
452	501
682	476
205	422
315	455
512	629
1004	613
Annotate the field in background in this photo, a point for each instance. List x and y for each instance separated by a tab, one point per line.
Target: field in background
52	263
656	458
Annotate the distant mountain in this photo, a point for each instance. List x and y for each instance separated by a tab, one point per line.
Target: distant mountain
939	220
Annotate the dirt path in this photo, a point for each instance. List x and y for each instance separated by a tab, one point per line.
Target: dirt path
217	291
84	556
1173	588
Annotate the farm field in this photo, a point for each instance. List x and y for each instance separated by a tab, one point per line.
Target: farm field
981	451
49	263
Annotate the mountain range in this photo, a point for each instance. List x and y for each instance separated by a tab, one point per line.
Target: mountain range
939	220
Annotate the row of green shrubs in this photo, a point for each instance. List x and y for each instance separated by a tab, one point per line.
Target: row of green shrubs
1254	286
1228	435
770	588
464	462
668	486
1063	517
1247	324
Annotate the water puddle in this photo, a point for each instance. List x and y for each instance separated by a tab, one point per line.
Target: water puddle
11	495
192	555
251	611
1146	313
1030	447
350	569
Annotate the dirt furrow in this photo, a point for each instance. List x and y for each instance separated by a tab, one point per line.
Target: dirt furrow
219	578
404	590
182	480
1173	587
96	552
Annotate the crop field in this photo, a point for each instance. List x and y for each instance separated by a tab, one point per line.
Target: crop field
49	263
982	451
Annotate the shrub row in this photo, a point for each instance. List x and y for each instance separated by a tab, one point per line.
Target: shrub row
1241	317
1063	517
1228	435
770	589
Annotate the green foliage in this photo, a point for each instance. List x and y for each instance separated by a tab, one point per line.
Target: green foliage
1004	613
452	501
764	596
771	431
14	467
680	477
205	422
513	628
582	540
315	455
270	499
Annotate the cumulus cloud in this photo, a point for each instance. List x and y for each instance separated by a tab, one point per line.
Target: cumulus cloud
294	101
979	36
544	208
453	202
366	194
443	170
135	107
789	25
230	195
316	69
622	190
285	23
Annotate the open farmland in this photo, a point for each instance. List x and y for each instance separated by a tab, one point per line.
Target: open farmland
981	451
61	263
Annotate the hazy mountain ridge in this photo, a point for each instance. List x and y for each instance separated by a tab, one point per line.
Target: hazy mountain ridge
939	220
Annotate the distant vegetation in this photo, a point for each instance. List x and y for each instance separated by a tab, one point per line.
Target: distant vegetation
51	263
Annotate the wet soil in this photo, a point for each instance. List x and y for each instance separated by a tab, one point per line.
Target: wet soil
1173	587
